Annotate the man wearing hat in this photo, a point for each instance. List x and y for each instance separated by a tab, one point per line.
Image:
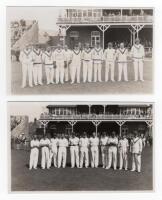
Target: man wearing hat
122	54
68	58
47	58
60	63
34	153
138	53
37	65
75	65
104	149
26	59
112	151
94	143
62	151
53	150
74	150
109	57
97	58
84	144
87	63
136	150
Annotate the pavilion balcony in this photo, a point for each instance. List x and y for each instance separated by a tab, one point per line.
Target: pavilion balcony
106	19
96	117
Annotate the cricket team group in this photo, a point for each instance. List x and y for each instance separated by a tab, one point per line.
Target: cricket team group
64	65
85	150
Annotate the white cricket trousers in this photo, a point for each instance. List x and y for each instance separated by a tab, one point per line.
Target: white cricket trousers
49	73
95	156
87	71
37	73
138	68
112	153
60	71
97	71
75	72
123	159
122	67
53	156
27	69
136	162
34	153
62	153
45	158
84	156
66	71
74	153
104	154
109	66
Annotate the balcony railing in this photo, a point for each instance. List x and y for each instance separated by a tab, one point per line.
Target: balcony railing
95	117
105	19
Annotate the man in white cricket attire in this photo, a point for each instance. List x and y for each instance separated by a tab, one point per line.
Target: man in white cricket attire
94	143
62	151
26	59
87	63
123	152
97	59
34	153
75	64
49	66
136	150
112	151
104	149
109	57
59	63
138	53
54	150
68	58
122	54
45	144
74	150
37	65
84	144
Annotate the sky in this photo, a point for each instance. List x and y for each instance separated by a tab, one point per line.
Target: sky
46	16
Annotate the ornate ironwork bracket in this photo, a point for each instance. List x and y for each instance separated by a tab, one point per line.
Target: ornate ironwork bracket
149	123
103	28
96	122
120	122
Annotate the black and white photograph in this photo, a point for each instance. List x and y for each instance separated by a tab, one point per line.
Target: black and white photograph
81	146
80	50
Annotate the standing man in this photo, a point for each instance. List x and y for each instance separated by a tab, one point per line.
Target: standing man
109	57
94	142
136	150
75	65
123	152
53	150
104	149
74	150
84	144
48	63
37	65
68	58
112	151
34	153
122	54
60	63
62	151
138	53
26	59
45	144
97	57
87	63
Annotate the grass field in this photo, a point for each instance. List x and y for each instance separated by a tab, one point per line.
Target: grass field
87	88
79	179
